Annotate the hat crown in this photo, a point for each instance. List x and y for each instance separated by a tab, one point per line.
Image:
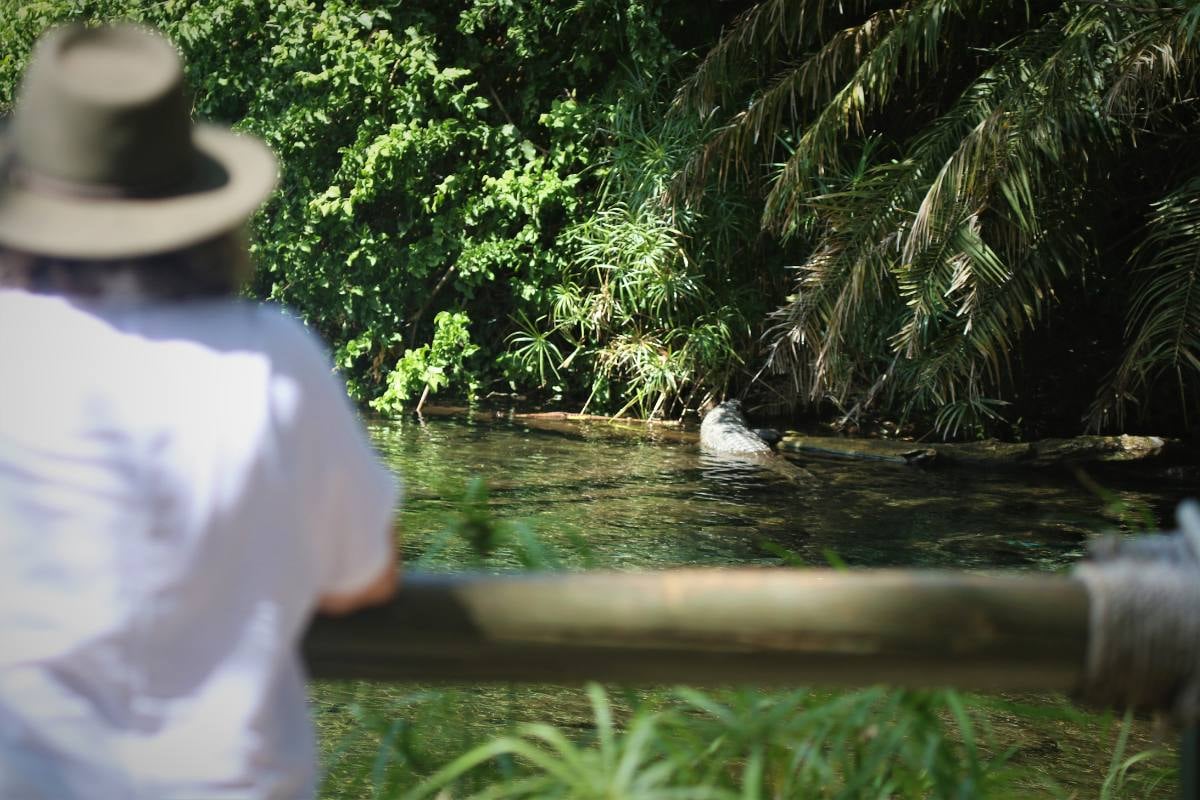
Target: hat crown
101	159
105	108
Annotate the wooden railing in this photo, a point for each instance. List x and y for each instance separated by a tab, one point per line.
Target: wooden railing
765	626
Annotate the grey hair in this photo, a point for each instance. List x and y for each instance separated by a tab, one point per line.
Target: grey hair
213	268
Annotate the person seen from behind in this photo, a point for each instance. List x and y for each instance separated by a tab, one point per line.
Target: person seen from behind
183	481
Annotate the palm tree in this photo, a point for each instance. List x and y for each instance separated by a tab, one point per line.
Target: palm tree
950	169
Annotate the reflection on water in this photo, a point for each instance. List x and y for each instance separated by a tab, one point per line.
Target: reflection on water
642	504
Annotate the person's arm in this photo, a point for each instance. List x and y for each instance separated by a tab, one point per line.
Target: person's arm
378	591
350	496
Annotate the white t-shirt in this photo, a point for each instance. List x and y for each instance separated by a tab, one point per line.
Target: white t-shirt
179	483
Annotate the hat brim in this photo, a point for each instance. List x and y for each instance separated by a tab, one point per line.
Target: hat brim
235	175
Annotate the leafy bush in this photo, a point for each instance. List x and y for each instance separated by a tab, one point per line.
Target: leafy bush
431	366
433	155
655	305
980	204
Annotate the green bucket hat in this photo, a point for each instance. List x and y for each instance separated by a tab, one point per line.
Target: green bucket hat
100	159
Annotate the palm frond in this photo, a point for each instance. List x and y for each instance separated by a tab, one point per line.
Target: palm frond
794	91
927	268
1157	67
907	41
761	33
1163	331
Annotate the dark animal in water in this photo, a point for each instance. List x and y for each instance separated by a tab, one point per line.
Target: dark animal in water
724	430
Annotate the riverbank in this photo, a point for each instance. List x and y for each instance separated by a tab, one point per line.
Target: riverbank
1149	457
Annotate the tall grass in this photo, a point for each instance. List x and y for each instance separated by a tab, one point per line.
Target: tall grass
747	744
539	742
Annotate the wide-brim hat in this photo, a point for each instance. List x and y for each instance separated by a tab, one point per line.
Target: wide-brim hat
101	160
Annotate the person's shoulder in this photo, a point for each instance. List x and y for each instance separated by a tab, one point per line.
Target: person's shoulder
231	321
294	350
281	328
46	316
18	301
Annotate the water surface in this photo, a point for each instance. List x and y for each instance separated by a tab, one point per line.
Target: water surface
641	503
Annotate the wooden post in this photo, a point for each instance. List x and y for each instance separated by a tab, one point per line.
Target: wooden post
755	626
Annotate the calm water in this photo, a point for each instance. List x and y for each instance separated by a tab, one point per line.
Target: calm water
612	501
645	503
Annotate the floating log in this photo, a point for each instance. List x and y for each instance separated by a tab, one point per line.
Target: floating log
577	425
1042	453
868	449
718	626
1048	452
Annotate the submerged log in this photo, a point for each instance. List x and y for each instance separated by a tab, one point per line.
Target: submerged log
763	626
867	449
1042	453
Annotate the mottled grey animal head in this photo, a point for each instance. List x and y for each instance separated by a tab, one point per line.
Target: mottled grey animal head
724	430
730	412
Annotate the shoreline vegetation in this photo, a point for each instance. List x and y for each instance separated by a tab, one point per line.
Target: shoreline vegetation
1168	459
974	216
896	744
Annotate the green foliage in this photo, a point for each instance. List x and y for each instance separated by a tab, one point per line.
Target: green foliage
625	765
979	200
1118	781
1130	514
970	180
648	303
432	155
426	171
409	742
532	350
1163	331
431	366
403	742
742	744
474	524
732	743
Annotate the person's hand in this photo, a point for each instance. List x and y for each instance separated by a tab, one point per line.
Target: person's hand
379	590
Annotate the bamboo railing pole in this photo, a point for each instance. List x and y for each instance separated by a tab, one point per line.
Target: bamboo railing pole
716	626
